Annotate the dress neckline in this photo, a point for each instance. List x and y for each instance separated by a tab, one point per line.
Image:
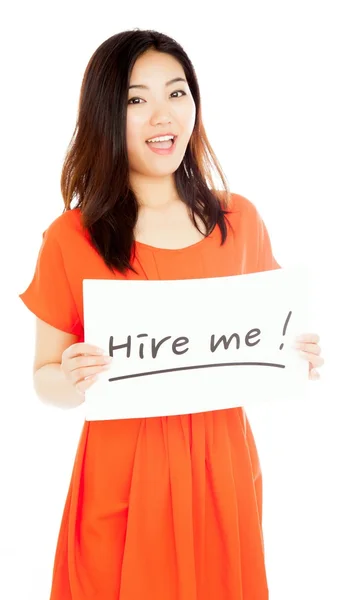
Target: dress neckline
194	246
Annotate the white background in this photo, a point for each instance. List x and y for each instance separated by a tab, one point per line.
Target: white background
275	84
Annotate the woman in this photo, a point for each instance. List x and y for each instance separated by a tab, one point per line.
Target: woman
165	508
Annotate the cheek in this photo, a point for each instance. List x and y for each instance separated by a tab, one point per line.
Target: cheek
133	128
186	116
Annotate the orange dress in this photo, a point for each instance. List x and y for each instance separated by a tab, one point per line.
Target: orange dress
166	508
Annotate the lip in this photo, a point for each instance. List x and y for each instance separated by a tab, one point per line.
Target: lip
163	151
161	134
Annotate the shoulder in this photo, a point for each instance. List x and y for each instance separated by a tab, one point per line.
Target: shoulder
65	232
64	237
65	225
241	211
241	204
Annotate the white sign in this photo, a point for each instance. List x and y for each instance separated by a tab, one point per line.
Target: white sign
188	346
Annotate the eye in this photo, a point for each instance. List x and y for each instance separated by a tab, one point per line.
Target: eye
135	98
131	100
179	92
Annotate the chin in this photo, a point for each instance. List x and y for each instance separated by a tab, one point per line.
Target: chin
162	170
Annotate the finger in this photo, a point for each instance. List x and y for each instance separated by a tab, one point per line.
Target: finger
314	374
79	362
308	337
316	361
80	374
82	348
82	386
314	348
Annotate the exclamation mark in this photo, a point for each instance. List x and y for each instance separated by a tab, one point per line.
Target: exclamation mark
284	329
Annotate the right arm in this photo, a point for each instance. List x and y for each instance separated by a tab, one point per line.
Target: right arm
61	366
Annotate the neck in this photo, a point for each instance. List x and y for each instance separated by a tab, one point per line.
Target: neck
154	192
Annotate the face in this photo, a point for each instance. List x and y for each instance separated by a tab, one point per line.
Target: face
158	106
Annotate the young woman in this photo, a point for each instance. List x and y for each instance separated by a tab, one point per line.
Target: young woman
165	508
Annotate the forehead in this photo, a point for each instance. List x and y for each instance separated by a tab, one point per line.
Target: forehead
153	64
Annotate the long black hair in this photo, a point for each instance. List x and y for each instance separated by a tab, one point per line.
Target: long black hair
96	170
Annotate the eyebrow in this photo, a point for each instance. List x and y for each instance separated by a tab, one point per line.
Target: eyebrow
145	87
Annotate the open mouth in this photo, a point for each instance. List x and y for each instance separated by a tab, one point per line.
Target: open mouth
166	144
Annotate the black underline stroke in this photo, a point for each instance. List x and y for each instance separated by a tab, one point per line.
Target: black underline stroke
229	364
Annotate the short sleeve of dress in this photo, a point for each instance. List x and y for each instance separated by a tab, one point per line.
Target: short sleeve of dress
254	241
266	260
49	295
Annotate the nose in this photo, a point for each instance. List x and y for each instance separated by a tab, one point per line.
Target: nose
160	116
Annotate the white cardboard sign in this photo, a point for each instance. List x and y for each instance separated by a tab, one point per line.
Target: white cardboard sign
188	346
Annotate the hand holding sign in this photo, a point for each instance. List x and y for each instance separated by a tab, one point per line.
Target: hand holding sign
175	352
81	363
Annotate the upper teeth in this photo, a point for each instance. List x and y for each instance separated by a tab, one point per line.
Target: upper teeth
163	138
